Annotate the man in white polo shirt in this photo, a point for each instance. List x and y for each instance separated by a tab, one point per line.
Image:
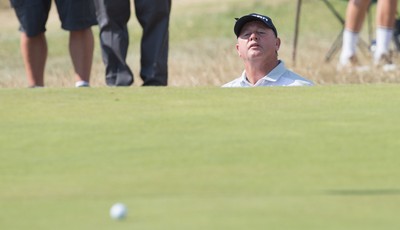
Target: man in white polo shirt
258	44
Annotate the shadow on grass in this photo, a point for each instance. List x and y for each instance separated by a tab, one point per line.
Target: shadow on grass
364	192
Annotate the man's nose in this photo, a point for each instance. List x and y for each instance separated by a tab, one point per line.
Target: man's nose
253	36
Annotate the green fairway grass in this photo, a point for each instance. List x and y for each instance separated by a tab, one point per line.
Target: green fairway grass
324	157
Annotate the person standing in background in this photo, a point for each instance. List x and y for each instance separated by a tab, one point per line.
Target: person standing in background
153	16
77	17
385	21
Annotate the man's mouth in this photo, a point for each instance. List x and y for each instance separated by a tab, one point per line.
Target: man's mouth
255	45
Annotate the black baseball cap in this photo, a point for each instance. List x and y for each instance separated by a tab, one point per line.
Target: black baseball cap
240	22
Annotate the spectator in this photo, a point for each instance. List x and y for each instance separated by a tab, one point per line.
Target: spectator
153	16
77	16
385	21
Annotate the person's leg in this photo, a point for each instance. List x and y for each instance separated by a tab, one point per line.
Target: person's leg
355	15
34	55
113	17
386	13
153	16
81	46
32	16
77	17
385	20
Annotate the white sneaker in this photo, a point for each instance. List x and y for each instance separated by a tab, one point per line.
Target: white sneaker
80	84
385	63
352	65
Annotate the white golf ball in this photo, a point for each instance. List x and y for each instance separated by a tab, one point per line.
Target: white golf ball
118	211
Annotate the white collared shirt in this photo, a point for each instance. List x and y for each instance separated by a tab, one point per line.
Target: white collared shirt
279	76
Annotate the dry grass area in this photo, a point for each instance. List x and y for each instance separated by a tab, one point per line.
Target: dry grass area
207	60
4	4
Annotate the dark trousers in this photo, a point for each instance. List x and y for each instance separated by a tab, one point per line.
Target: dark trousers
153	16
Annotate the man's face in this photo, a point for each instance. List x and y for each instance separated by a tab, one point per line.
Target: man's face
257	41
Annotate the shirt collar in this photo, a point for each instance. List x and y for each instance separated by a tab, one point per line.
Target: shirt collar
272	76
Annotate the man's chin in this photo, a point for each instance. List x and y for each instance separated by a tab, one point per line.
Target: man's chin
255	54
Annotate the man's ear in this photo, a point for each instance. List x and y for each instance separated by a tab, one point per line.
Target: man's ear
237	49
278	43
